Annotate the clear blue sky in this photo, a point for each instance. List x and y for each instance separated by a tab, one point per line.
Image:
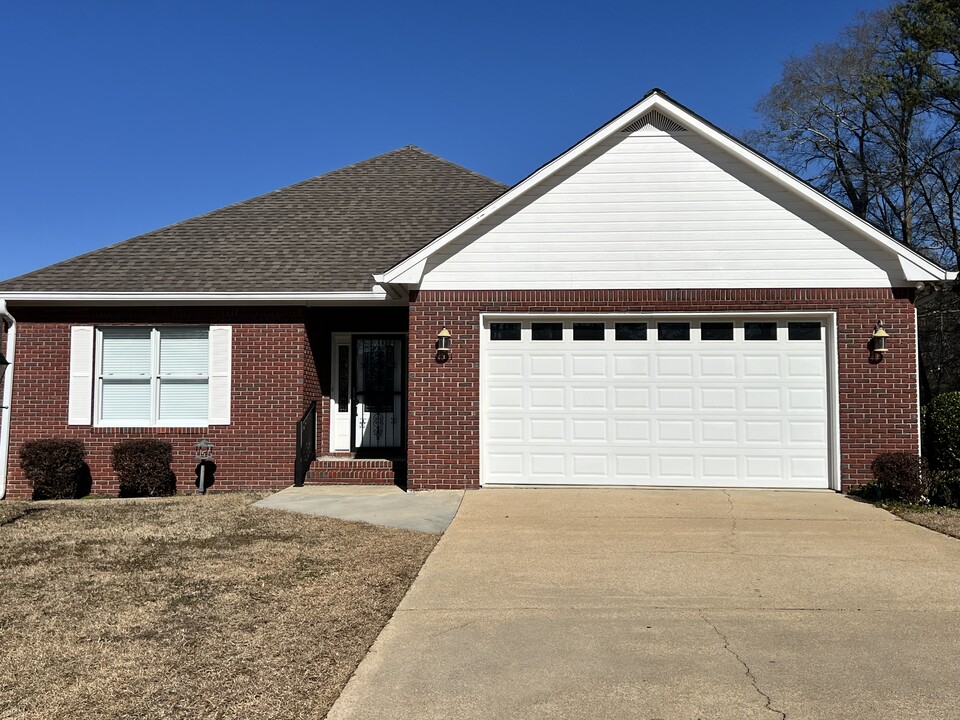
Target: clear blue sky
118	117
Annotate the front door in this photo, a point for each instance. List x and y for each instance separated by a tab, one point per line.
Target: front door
378	368
367	403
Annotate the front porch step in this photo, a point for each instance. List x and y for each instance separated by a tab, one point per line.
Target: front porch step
336	470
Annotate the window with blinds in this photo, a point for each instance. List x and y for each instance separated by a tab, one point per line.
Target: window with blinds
153	376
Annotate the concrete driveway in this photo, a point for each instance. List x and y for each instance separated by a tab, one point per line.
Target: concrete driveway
662	604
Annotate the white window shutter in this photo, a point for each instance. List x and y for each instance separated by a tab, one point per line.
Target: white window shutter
220	366
79	411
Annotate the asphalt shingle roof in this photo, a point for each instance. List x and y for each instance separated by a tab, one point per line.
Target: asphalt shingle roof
329	233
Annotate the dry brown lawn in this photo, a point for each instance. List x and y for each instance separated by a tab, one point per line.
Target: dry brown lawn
941	519
189	607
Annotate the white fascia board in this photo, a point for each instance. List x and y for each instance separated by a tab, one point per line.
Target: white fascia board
916	267
411	269
377	295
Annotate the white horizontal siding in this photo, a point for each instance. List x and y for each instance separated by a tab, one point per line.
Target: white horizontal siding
659	211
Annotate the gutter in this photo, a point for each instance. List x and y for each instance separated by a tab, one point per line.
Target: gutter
7	397
309	299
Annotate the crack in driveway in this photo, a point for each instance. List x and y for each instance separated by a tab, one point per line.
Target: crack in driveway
732	539
768	702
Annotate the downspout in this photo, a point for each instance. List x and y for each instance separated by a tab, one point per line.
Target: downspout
7	397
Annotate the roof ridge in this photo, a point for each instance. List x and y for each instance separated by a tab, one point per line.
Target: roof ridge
453	164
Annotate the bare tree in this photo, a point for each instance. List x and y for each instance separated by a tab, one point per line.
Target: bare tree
873	120
870	119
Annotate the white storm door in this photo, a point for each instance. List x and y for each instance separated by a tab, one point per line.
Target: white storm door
341	406
378	369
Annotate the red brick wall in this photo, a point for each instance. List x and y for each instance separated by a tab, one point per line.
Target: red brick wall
271	385
878	401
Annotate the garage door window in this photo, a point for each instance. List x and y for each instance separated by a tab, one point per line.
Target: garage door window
759	331
673	331
803	330
716	331
631	331
504	331
547	331
588	331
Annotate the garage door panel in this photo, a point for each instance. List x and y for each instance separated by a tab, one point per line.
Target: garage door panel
631	398
628	432
718	398
507	398
547	366
505	366
587	366
589	430
763	431
506	429
809	366
761	366
676	467
548	465
723	367
502	465
719	431
769	468
675	431
547	429
674	366
719	469
762	398
675	398
799	432
731	413
547	398
807	398
633	468
589	466
631	366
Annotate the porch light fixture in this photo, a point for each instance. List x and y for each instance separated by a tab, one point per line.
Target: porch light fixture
878	342
4	364
443	345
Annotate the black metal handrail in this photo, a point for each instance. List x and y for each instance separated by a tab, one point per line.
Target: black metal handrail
306	444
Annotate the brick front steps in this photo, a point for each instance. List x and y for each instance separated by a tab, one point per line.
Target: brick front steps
333	470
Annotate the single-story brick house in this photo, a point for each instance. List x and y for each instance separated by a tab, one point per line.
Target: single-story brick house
659	305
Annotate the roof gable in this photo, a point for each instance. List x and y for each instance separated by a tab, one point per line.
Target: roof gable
329	233
657	113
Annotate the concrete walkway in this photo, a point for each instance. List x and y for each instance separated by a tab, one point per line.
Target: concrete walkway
671	604
429	511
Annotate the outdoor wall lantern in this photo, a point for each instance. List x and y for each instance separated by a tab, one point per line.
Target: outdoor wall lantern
443	345
878	342
4	364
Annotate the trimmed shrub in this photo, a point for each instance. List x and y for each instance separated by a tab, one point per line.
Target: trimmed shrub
55	468
943	431
900	476
143	468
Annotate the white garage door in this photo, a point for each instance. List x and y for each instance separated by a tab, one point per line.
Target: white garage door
709	401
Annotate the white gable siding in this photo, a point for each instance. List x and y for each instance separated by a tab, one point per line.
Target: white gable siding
654	210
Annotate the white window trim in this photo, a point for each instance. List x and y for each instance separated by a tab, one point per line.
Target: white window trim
155	380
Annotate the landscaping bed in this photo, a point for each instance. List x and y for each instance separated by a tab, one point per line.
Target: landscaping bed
189	607
942	519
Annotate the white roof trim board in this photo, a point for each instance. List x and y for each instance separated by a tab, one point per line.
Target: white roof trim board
378	294
916	268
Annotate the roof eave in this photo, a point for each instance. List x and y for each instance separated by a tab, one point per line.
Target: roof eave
377	295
